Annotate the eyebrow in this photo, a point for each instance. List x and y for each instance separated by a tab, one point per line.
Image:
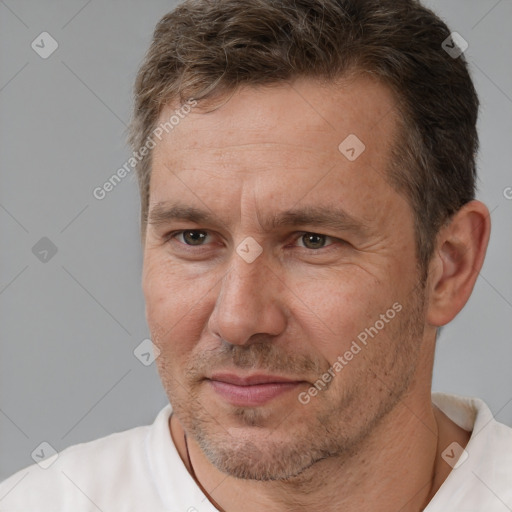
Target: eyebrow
324	216
329	217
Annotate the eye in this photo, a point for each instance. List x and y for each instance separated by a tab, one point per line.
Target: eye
191	236
314	240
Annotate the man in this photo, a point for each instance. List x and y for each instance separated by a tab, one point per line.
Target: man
307	174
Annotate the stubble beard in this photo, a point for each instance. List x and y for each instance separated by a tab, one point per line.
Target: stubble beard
341	425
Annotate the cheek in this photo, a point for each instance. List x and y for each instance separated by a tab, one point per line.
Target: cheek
332	312
177	308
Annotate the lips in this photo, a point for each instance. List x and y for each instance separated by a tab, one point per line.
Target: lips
251	390
249	380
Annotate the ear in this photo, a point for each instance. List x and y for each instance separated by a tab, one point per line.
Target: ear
458	258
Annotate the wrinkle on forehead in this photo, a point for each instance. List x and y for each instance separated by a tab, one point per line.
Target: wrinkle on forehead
265	151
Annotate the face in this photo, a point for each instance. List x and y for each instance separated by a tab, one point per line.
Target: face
280	274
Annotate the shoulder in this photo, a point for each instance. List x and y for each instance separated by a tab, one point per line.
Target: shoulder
80	475
481	479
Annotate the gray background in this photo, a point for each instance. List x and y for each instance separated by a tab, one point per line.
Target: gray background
69	325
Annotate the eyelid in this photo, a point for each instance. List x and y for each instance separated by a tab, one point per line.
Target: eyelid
174	234
296	236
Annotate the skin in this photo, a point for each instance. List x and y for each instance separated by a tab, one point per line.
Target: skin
372	439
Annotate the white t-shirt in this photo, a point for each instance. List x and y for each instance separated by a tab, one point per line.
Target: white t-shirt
140	470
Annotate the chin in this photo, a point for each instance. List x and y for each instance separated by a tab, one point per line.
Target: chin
248	462
255	454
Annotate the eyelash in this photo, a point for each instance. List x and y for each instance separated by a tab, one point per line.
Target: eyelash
172	236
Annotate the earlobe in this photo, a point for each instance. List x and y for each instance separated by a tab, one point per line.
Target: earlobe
459	256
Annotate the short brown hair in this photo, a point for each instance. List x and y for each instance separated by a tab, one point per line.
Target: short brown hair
209	47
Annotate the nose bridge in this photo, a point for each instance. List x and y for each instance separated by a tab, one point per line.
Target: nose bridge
244	284
245	303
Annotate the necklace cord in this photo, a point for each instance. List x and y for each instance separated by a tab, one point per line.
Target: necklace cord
196	480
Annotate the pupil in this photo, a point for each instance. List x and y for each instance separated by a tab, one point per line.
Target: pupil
193	237
313	241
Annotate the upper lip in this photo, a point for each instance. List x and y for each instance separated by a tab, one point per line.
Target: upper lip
250	380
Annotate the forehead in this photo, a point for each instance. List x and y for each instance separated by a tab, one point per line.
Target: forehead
282	143
289	113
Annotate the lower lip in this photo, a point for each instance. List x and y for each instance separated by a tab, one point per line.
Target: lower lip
256	394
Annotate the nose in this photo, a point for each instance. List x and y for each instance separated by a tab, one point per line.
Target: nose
249	303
